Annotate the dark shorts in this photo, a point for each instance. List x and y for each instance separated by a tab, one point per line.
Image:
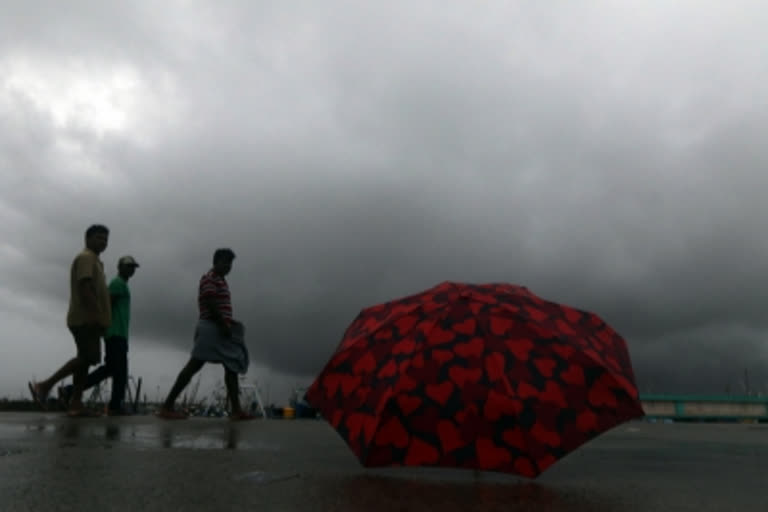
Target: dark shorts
88	341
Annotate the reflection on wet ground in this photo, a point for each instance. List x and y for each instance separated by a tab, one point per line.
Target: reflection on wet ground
50	462
217	436
374	493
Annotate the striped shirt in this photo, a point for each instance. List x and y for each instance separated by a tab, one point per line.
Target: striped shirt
214	286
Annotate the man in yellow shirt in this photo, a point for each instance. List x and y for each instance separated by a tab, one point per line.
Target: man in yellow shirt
88	317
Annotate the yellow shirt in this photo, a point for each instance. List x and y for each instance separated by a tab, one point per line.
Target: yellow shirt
87	265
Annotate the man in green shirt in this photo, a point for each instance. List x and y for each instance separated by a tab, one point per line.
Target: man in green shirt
115	340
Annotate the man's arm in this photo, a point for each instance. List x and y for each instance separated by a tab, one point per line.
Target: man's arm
213	309
87	293
207	296
84	274
116	291
217	317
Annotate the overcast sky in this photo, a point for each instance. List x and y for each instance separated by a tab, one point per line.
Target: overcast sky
607	155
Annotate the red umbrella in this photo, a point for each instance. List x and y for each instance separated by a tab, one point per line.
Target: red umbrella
489	377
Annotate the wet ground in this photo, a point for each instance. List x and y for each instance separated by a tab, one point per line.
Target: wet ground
49	462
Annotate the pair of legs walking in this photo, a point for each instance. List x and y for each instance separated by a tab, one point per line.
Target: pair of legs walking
115	366
88	342
185	376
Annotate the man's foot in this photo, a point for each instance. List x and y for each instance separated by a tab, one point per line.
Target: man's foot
242	416
65	395
171	415
39	395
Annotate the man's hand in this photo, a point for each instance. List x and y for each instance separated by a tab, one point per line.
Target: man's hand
224	328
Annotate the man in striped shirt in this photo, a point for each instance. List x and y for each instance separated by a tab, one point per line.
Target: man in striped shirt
218	338
214	301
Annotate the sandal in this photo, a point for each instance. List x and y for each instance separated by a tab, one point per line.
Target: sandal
37	396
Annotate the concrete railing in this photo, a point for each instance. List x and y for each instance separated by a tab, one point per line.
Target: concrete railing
705	408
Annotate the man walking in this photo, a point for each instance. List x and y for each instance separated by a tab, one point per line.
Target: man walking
218	338
89	315
115	341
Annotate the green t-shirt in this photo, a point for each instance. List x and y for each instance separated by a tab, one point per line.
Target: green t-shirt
121	308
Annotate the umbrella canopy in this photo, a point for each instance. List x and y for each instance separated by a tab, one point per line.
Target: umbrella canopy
482	376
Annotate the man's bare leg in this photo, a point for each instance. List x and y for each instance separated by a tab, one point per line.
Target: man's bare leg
233	390
43	388
78	384
190	369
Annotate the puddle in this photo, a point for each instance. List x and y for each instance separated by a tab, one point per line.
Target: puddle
21	430
261	446
142	436
5	452
264	477
202	443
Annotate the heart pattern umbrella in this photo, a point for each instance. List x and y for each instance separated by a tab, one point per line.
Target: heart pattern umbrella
482	376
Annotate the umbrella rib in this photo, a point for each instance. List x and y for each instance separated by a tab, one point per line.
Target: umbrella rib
579	350
395	390
488	336
422	348
382	325
419	305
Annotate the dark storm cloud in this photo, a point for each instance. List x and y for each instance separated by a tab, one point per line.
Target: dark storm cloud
352	155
